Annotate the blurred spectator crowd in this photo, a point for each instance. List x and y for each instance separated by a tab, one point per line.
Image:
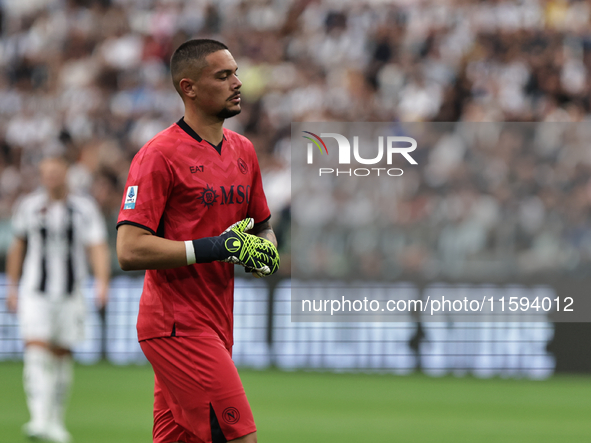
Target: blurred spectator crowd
90	77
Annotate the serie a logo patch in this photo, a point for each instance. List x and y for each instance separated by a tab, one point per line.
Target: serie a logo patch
130	197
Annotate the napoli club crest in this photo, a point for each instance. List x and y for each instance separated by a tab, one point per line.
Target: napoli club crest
242	166
231	415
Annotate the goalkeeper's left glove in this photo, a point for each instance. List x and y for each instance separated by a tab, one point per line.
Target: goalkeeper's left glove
266	261
236	246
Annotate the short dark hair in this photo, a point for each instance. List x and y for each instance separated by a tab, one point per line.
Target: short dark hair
191	56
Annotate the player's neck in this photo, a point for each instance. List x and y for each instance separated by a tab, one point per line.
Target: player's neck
209	129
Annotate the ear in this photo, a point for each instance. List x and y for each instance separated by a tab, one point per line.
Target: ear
188	87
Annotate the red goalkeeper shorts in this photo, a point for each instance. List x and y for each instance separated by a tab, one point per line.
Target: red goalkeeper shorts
198	395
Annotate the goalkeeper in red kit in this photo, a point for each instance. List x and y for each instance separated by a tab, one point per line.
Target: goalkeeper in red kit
193	207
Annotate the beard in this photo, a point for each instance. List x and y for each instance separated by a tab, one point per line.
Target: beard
227	113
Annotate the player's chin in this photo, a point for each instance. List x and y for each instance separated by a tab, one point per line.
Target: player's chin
230	111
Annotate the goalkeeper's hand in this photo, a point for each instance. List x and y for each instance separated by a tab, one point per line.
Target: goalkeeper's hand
256	254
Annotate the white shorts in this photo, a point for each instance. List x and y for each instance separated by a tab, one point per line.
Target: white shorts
58	322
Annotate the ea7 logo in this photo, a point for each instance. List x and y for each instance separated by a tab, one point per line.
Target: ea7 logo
394	145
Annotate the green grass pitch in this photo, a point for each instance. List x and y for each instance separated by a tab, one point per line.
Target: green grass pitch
113	404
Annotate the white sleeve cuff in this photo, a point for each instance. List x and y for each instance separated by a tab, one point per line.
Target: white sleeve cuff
190	251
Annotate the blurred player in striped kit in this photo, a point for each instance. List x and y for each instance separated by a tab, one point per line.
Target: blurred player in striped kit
54	232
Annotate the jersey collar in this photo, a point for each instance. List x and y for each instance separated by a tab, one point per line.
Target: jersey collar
185	127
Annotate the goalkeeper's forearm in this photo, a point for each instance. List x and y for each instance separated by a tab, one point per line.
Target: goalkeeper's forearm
138	249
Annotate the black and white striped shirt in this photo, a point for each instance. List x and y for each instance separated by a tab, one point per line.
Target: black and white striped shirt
57	234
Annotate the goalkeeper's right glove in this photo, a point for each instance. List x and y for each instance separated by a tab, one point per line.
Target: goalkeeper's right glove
234	245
